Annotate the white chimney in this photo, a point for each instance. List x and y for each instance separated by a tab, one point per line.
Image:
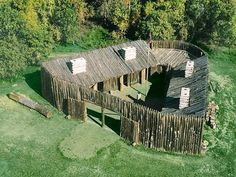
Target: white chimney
128	53
184	98
77	65
189	69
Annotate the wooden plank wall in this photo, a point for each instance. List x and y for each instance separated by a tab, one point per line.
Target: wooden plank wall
134	78
114	83
171	132
111	84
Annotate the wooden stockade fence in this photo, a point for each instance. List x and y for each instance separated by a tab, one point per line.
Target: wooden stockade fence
75	109
129	130
181	133
139	124
181	45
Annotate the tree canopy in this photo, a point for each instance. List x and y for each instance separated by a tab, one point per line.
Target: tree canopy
30	28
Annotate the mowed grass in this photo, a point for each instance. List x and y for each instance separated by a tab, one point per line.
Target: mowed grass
31	145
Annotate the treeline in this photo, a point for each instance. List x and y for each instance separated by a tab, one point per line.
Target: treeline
30	28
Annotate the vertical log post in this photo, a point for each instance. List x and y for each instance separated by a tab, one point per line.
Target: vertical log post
136	132
159	69
103	116
142	76
147	73
121	83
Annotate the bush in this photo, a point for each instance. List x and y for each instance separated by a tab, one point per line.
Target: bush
12	57
96	37
67	18
24	40
39	42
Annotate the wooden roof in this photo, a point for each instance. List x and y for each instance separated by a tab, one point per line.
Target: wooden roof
106	63
197	84
102	64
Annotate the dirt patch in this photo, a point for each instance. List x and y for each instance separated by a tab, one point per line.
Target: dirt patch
86	140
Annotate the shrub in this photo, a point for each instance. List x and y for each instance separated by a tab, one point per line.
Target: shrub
12	57
24	40
67	18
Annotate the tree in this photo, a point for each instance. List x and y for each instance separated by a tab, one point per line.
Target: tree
35	31
135	8
224	33
67	18
156	21
24	39
210	20
13	57
118	15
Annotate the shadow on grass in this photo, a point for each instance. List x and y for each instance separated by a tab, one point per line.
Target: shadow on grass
112	123
34	81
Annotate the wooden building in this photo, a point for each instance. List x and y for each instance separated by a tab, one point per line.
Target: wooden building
172	129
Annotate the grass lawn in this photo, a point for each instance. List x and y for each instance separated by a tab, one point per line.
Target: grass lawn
31	145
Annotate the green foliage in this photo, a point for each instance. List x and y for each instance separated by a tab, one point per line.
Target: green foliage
163	20
225	32
94	37
37	25
119	15
10	21
115	13
211	21
12	57
25	40
67	18
156	22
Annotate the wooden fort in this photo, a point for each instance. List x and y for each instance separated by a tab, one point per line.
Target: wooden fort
171	129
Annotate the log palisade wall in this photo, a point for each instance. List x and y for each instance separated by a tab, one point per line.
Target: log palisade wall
167	131
180	133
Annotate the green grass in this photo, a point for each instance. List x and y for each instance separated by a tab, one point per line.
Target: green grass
31	145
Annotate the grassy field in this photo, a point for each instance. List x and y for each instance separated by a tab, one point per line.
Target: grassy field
31	145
